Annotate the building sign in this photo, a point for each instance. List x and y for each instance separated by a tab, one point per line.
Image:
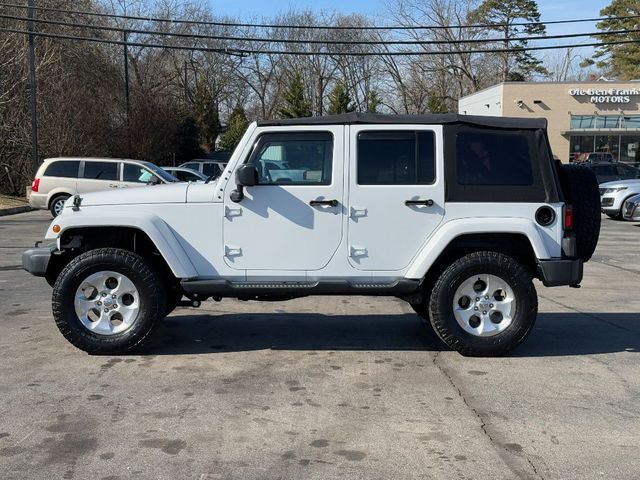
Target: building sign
608	95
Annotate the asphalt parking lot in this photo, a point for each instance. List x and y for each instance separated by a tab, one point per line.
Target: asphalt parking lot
324	388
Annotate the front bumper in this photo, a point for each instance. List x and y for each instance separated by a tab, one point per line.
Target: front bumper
35	260
555	273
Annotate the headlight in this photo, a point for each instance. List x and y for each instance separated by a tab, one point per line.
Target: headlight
615	189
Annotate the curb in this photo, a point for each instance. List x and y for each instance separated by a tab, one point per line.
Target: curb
14	210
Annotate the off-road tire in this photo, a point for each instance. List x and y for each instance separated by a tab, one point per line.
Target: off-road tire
580	188
442	296
54	201
146	280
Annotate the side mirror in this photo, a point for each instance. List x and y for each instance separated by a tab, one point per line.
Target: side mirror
246	176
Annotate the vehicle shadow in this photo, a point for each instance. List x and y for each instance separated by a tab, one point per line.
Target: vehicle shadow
555	334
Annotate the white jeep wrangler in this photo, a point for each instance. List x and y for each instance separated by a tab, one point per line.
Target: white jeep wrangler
456	215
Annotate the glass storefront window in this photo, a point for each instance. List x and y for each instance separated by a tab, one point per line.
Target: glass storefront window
609	121
631	122
582	121
630	148
608	144
605	121
581	144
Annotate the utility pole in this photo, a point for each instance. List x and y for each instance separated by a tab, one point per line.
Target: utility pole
320	87
32	96
126	71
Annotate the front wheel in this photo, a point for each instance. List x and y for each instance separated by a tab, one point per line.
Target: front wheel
483	304
108	301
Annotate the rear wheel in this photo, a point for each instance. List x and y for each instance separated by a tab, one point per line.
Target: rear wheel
107	301
57	204
483	304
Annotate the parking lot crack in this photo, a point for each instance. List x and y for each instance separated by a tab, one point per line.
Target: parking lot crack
506	454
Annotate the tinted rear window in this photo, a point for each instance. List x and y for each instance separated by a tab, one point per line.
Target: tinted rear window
101	170
493	158
396	158
64	169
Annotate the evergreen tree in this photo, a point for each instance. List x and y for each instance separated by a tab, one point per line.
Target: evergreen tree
516	66
295	103
339	100
372	101
237	126
621	61
187	145
206	114
436	104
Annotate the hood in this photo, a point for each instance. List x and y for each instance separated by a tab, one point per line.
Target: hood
621	183
167	193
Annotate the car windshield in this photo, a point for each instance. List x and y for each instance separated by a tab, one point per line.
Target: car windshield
163	174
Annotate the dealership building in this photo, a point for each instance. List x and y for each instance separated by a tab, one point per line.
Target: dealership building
597	116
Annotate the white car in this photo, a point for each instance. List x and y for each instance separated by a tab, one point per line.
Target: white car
631	209
185	174
455	215
58	179
614	194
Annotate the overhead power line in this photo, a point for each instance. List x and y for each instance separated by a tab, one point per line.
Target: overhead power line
316	27
315	41
242	51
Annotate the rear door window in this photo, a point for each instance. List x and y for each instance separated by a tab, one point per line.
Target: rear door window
396	157
493	158
136	174
101	170
63	169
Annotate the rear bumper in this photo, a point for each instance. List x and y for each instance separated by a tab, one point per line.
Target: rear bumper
36	260
38	200
555	273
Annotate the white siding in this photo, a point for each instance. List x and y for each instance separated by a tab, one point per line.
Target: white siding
487	102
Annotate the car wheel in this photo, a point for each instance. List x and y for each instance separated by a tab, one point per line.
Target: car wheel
108	301
57	204
483	304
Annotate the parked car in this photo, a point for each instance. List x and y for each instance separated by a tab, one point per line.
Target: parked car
614	194
455	215
209	168
593	157
631	209
58	179
606	172
185	174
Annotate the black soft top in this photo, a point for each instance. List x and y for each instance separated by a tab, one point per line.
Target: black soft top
433	119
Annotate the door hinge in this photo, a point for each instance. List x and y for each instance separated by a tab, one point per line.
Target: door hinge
357	212
230	251
230	212
357	251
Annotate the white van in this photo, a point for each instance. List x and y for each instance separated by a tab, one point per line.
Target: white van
59	178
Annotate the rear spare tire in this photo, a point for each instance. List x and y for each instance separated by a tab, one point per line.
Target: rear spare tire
580	188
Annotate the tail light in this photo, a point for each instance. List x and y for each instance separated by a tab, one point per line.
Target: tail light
568	217
35	184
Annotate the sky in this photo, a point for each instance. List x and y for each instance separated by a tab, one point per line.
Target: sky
550	9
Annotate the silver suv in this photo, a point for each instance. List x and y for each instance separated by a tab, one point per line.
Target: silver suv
58	179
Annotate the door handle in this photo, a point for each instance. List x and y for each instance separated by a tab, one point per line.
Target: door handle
316	203
426	203
113	185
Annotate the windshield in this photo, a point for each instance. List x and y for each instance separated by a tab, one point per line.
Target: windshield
164	175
